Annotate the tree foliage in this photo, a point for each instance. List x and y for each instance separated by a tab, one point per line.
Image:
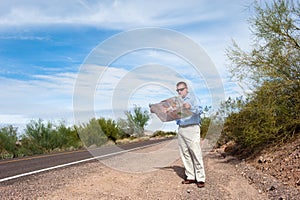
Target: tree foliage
8	142
272	111
136	121
91	133
111	129
276	46
100	131
41	137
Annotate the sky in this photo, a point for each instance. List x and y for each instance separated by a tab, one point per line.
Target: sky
60	59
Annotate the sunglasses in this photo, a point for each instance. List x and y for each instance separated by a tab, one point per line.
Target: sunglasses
180	89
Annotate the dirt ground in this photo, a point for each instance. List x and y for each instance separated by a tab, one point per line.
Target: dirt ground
143	175
281	161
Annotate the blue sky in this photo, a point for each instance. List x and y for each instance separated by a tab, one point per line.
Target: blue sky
44	45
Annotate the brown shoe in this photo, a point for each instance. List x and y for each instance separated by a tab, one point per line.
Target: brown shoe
200	184
187	181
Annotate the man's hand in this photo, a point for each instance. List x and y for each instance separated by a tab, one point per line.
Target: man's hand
187	105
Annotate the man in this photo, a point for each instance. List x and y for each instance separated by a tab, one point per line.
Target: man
189	139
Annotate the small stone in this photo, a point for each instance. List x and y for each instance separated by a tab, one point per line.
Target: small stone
188	191
223	155
298	183
261	160
272	188
259	191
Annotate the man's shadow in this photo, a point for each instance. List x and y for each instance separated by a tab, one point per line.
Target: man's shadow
177	169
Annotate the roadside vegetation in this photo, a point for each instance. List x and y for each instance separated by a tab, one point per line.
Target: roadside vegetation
40	137
270	113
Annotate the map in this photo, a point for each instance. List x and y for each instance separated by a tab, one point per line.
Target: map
170	109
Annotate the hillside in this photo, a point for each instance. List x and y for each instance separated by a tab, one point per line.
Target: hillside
281	161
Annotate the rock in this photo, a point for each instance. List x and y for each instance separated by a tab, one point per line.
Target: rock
224	155
298	183
260	191
261	160
272	188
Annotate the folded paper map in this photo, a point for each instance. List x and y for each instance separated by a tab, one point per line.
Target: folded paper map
170	109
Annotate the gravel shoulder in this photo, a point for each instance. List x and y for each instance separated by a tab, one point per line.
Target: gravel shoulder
227	178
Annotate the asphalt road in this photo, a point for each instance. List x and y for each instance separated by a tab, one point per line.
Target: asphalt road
14	167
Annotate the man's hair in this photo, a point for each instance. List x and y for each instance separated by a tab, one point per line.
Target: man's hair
181	83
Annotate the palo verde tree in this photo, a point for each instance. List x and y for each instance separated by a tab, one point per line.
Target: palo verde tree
137	120
272	68
8	140
38	137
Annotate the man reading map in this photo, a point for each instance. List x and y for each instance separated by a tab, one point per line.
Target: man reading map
186	111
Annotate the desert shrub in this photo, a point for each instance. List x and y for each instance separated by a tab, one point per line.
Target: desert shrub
39	137
91	133
42	137
160	133
8	140
136	121
111	129
99	131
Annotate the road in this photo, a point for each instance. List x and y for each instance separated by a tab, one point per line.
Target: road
15	168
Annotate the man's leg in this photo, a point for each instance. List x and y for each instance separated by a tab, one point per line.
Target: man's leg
196	153
185	155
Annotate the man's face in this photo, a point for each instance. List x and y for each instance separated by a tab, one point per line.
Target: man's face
182	90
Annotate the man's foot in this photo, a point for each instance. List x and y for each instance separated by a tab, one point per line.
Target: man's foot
200	184
187	181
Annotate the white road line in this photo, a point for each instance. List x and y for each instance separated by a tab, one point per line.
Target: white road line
73	163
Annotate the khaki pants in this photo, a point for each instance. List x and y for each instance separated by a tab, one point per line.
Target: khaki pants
190	152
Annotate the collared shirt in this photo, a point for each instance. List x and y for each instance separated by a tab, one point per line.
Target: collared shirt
195	109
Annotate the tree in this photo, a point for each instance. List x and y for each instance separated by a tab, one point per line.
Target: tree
91	133
276	47
39	137
272	67
66	137
8	139
137	120
110	129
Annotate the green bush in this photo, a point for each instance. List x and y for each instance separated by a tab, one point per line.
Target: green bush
160	133
67	137
205	122
99	131
136	121
91	133
111	129
8	140
269	116
41	137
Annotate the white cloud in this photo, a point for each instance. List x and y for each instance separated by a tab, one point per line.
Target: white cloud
46	96
114	14
21	37
13	119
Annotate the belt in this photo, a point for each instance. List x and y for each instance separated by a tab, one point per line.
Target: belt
184	126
